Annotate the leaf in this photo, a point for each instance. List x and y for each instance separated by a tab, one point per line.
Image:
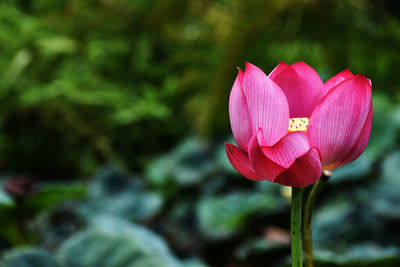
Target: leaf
5	200
112	192
353	172
188	164
221	217
329	228
385	127
383	196
360	255
259	248
28	257
52	194
113	242
194	263
57	45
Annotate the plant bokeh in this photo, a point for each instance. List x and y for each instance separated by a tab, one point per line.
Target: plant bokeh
113	116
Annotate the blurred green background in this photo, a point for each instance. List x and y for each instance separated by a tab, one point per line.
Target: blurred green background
113	115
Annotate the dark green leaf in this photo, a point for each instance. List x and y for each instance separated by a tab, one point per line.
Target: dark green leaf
28	257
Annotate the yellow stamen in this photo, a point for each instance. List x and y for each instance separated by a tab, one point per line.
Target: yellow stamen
298	124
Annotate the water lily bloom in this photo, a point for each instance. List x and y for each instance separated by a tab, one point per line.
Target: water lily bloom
289	125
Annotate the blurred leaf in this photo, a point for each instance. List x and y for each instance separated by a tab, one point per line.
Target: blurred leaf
110	241
353	172
259	248
335	222
68	89
20	61
384	128
15	217
360	255
391	168
188	164
221	217
28	257
5	200
383	196
143	107
51	195
57	45
112	192
193	263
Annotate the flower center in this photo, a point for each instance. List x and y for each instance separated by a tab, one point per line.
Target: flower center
298	124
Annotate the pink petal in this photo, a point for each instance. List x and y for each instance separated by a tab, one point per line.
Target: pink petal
278	69
239	114
303	88
361	142
240	161
338	78
337	121
290	147
304	171
262	165
268	107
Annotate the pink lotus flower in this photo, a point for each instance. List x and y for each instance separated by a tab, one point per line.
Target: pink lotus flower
289	125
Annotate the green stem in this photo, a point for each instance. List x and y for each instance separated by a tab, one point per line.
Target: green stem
307	217
297	255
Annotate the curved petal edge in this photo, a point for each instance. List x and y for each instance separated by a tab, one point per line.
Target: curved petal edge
288	149
360	144
338	78
239	114
240	161
336	123
305	170
268	107
262	165
303	88
278	69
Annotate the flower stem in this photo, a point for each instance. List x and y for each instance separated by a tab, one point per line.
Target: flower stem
297	254
307	216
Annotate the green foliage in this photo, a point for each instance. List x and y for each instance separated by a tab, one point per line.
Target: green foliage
81	84
259	249
224	216
112	192
362	255
112	242
188	164
51	195
28	257
5	200
14	215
